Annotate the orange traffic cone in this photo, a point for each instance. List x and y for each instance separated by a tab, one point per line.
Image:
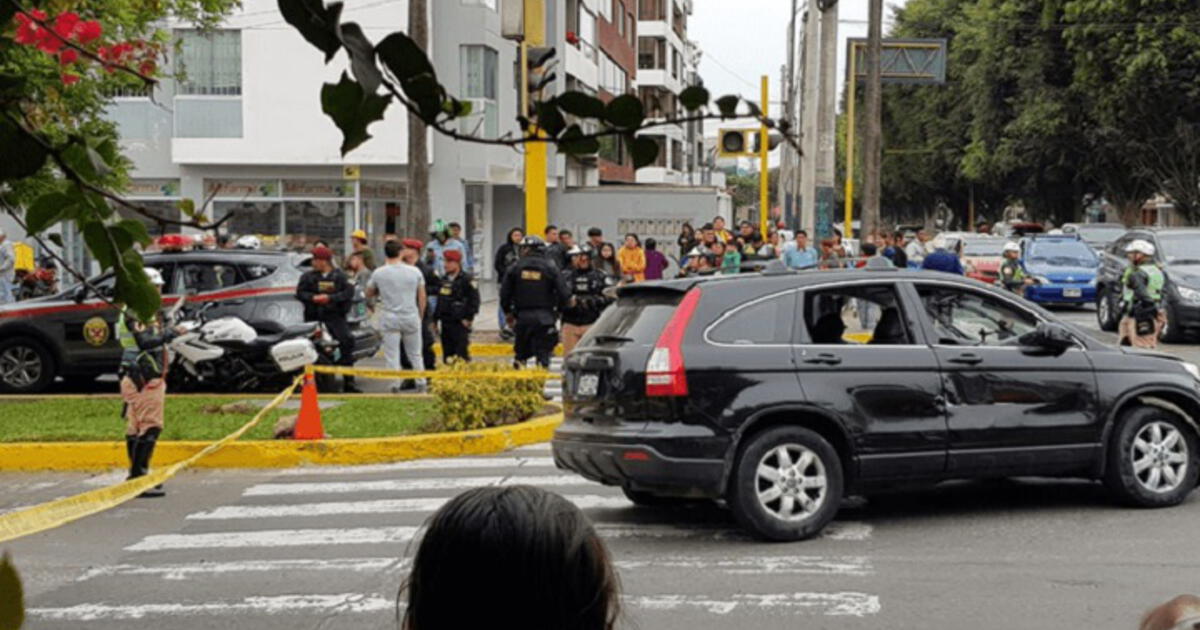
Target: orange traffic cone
308	425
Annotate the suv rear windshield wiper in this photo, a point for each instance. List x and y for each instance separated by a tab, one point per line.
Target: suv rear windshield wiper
611	339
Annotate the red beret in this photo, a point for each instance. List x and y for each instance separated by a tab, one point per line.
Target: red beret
453	254
321	252
412	243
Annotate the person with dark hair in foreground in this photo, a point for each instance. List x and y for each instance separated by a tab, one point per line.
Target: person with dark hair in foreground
528	559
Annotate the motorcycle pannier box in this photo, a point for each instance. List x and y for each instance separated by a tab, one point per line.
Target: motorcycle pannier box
293	354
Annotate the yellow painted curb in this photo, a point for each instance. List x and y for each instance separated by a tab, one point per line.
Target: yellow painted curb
91	456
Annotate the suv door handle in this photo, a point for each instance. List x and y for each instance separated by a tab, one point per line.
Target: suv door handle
825	358
967	358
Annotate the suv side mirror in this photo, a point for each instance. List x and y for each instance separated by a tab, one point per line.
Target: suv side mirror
1049	337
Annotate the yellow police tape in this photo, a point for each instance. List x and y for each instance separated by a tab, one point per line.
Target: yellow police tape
62	511
514	375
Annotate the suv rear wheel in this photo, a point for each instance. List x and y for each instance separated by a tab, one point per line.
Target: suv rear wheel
787	484
26	366
1108	310
1152	462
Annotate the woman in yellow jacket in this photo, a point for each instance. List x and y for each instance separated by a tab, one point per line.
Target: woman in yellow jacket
632	258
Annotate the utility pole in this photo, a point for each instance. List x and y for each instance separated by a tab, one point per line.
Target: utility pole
873	123
783	190
827	122
417	191
788	160
811	97
764	152
536	196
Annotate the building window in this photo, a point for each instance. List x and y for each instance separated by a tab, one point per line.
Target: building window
652	53
480	66
676	61
619	17
612	76
605	9
612	149
677	155
210	63
654	9
491	4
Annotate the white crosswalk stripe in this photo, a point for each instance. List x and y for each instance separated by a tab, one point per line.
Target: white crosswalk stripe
333	531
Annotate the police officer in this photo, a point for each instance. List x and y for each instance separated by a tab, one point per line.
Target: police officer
1012	274
531	296
1142	285
587	300
457	306
327	294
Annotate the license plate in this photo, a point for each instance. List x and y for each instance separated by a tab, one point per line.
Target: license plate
1072	293
588	385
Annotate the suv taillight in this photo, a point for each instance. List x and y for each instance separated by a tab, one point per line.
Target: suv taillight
665	372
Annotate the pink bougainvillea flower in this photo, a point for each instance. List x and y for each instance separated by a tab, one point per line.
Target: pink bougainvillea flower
88	32
69	79
68	57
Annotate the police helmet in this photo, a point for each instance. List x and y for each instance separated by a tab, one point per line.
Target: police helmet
577	251
1011	246
249	242
532	245
1140	246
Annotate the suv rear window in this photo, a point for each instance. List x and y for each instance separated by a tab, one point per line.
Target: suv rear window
640	317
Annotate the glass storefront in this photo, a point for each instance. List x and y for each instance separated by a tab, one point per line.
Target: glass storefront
159	198
292	214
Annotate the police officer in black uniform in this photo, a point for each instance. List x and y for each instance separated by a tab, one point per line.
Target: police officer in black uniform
587	299
327	293
457	306
531	296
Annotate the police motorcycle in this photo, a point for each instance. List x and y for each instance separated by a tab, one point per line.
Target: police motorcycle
228	354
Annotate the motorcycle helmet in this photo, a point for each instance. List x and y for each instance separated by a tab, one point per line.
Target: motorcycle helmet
249	242
1140	246
532	245
154	276
1011	246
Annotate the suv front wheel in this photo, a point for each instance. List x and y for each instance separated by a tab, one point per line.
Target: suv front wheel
787	485
26	367
1152	462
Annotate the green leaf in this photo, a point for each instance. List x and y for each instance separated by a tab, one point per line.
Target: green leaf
573	142
352	110
316	22
134	289
755	110
99	165
550	119
12	597
455	108
78	159
625	112
644	151
23	155
694	97
46	211
728	105
409	64
362	56
137	230
581	104
56	238
96	237
7	11
188	208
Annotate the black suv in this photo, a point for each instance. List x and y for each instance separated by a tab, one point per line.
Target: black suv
1177	250
72	334
782	392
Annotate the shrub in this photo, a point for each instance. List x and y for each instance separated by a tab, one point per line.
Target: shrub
478	403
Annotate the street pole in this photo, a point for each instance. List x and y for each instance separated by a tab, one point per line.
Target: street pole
851	123
764	150
789	159
536	196
827	123
811	98
873	130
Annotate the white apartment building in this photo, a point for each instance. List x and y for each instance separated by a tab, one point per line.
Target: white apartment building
245	131
667	62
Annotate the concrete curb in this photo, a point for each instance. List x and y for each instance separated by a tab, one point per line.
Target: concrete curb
94	456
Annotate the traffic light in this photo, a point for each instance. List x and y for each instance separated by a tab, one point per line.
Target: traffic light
733	143
773	140
539	70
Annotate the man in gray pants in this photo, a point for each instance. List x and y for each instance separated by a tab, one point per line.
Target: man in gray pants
400	289
8	262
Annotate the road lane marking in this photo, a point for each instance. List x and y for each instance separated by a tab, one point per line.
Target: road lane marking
829	604
276	538
209	569
283	604
848	531
380	535
758	565
383	506
425	464
409	485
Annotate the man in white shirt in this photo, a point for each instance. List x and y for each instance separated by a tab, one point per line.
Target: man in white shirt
400	289
918	247
8	263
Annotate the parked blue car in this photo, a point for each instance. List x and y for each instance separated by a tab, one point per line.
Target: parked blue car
1063	266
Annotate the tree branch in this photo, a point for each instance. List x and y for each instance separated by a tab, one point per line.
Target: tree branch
149	81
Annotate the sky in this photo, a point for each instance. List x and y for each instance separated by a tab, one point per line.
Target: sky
745	39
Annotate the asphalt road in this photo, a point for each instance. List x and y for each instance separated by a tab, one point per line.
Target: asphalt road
327	548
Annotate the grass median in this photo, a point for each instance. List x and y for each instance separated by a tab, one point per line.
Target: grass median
205	419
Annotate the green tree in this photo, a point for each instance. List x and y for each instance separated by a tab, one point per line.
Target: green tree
59	64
